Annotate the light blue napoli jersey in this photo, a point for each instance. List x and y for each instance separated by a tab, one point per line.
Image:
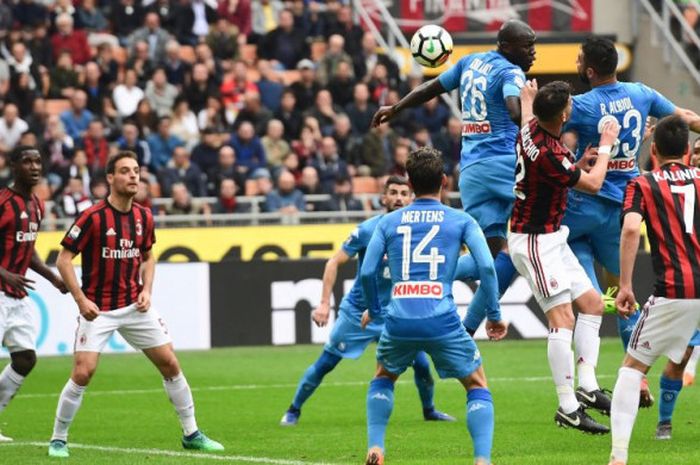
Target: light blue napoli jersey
356	244
628	102
422	243
485	80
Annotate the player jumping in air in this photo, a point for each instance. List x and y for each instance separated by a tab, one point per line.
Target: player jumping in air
666	199
348	339
537	243
422	244
21	213
115	237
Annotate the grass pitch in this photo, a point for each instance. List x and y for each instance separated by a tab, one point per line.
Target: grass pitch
241	394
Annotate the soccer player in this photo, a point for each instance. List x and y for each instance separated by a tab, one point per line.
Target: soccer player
666	199
21	213
115	237
489	87
537	243
422	243
348	339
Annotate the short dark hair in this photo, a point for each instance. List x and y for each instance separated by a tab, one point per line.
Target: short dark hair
395	179
112	162
425	170
18	152
600	54
671	137
551	100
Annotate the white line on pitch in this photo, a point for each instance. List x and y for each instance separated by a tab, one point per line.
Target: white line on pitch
170	453
245	387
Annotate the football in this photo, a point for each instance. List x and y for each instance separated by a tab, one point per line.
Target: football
431	46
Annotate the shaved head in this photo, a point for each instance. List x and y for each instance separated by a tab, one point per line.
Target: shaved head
513	31
516	42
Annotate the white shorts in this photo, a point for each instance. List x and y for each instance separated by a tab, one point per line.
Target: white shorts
550	267
17	325
665	328
143	330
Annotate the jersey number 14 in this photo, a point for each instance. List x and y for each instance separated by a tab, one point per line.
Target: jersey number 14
433	258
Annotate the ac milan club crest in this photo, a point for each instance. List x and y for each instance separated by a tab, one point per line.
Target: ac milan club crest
553	283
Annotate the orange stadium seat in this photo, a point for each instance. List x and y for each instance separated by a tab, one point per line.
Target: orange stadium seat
364	185
57	106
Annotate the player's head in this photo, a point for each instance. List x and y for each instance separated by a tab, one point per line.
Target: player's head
123	174
597	59
516	42
670	138
397	193
25	162
425	171
553	103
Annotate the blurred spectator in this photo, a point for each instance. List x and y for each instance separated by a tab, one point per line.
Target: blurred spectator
223	40
206	153
226	198
239	14
99	189
213	116
182	204
28	138
96	146
201	87
145	118
341	84
289	115
368	57
270	86
286	199
175	69
276	148
449	142
691	15
379	84
306	88
204	55
329	165
64	79
342	198
77	118
20	61
4	79
308	143
78	168
309	183
5	171
109	68
22	94
401	152
127	16
254	113
291	164
160	93
324	111
91	18
402	123
73	201
184	124
6	20
308	18
234	86
249	149
377	149
285	44
30	13
130	140
344	139
164	10
432	115
128	95
181	170
263	184
361	110
335	54
421	138
265	15
141	62
37	118
143	195
225	167
60	7
111	118
93	88
192	19
57	151
162	144
346	27
11	127
70	40
153	35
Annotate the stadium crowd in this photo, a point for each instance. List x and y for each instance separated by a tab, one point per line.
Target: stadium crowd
220	100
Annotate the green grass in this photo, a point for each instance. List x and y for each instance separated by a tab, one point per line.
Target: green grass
332	427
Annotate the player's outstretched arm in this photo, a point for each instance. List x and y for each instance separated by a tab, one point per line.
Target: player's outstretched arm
520	109
330	274
417	96
38	265
592	181
370	268
629	245
148	271
690	117
64	263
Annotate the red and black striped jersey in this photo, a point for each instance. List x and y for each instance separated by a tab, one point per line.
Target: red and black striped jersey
20	219
112	244
667	199
544	172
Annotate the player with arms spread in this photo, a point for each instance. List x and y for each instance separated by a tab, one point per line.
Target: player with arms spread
489	87
422	244
21	213
115	237
537	243
348	339
666	199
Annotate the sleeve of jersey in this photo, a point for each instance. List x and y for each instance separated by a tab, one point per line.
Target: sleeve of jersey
634	200
660	105
354	243
78	234
560	170
513	82
370	268
479	249
151	231
450	78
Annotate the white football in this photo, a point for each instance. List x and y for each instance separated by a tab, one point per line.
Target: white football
431	45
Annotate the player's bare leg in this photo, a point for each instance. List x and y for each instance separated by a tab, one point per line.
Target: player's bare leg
480	415
625	405
180	394
671	383
12	377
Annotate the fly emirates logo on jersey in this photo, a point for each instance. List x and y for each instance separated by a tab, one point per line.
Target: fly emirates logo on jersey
24	236
126	249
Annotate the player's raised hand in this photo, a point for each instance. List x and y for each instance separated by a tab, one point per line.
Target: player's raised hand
143	301
383	115
529	90
588	158
496	330
625	302
16	281
366	319
611	129
88	309
320	314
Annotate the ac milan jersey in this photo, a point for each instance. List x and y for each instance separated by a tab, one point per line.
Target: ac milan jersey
112	244
667	199
20	218
543	175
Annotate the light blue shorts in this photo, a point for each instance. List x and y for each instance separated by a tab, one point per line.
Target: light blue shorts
594	232
695	340
348	339
486	189
454	356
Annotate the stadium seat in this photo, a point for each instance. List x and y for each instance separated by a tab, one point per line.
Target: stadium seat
187	54
57	106
251	187
364	185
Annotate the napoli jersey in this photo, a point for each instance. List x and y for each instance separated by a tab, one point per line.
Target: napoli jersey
629	103
485	80
356	244
422	242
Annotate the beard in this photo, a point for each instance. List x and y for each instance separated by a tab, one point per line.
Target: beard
584	78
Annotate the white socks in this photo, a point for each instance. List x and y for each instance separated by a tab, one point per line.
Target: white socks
587	343
181	396
10	382
623	412
68	405
561	362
